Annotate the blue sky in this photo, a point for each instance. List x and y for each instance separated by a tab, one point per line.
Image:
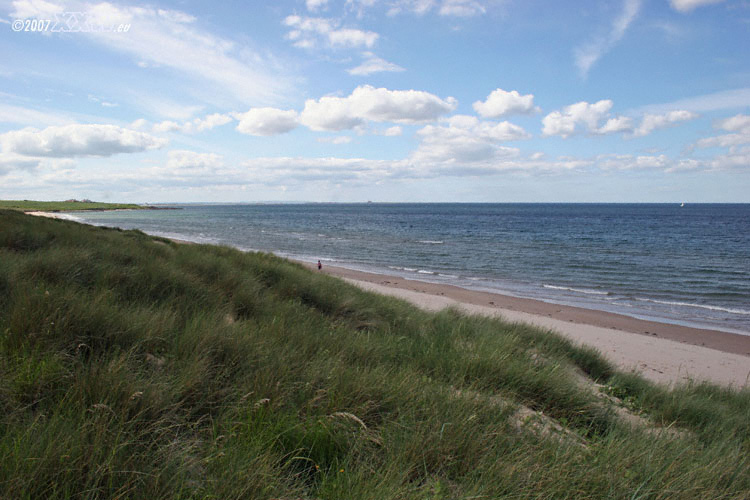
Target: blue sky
382	100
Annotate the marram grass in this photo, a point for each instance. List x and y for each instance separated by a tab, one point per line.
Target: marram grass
135	367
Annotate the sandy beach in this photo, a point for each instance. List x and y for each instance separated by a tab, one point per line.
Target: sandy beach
51	215
662	352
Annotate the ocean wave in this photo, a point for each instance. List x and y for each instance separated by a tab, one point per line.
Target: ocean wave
448	275
430	242
700	306
422	271
70	217
577	290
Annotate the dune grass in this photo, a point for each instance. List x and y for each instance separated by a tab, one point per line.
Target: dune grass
135	367
64	206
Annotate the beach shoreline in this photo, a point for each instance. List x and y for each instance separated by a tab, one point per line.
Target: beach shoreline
663	352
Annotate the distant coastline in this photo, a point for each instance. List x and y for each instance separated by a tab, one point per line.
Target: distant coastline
75	206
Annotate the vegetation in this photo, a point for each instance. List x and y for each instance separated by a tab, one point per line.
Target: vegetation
136	367
65	206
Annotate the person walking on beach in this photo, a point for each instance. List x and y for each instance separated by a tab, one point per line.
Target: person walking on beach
320	266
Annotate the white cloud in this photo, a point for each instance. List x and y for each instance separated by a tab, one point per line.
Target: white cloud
465	139
171	39
726	99
166	126
631	162
183	160
10	161
735	123
392	131
102	102
266	121
566	122
313	5
585	116
418	7
501	102
194	125
211	121
739	125
650	122
311	32
461	8
724	141
26	116
368	103
349	37
339	139
688	5
373	64
69	141
588	54
456	8
35	9
616	124
138	124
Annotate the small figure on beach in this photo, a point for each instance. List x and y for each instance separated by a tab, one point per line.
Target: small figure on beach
320	266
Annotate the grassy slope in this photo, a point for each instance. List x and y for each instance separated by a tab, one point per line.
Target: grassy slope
63	206
132	366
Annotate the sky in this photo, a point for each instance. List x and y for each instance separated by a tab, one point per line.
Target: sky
376	100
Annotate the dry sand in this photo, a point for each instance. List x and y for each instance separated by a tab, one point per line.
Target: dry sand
661	352
51	215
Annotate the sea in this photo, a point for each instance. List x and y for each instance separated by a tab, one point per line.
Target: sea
684	264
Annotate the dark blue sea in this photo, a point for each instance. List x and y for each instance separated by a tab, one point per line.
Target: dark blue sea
687	264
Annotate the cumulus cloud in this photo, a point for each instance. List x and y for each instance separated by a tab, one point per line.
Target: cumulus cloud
266	121
501	102
688	5
9	161
69	141
191	126
588	54
373	64
651	122
312	32
735	123
465	139
181	159
738	125
582	114
616	124
367	103
138	124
